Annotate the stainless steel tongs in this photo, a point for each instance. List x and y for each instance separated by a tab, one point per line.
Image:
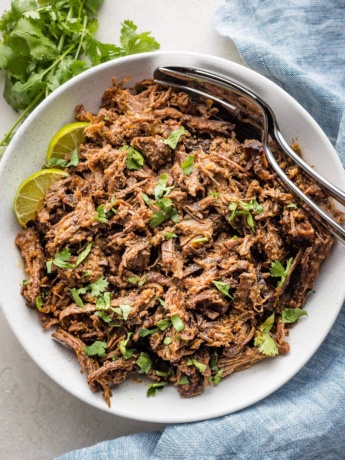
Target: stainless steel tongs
253	115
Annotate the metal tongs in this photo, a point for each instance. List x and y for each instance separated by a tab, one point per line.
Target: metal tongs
254	117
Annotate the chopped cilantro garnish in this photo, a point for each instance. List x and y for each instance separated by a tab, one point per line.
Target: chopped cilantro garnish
290	315
82	256
177	323
188	165
183	381
200	240
164	373
143	332
61	258
167	341
123	310
277	270
97	348
103	301
152	389
215	194
133	279
144	362
169	235
134	159
39	302
126	352
102	314
163	324
174	137
240	208
77	299
217	377
223	288
213	364
99	286
193	362
74	160
264	341
102	215
146	199
161	301
292	205
161	189
26	282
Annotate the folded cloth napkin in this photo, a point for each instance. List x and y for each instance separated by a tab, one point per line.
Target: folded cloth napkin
300	45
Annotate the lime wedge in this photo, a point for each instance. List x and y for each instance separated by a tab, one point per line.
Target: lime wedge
30	193
66	140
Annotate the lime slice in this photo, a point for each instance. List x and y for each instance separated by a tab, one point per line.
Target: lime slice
30	194
66	140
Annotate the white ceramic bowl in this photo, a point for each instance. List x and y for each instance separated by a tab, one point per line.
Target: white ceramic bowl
26	154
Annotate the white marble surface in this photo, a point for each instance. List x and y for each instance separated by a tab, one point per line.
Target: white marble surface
38	419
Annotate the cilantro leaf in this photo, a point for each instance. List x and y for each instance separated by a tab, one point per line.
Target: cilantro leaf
39	302
193	362
263	340
76	297
292	205
174	138
277	270
146	199
167	341
290	315
217	377
132	42
133	279
200	240
240	208
169	235
126	352
134	159
161	188
82	256
99	286
183	381
163	324
188	165
123	310
105	317
144	362
143	332
97	348
61	258
101	216
177	323
152	389
223	288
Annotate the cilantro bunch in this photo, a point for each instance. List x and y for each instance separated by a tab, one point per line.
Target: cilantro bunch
45	43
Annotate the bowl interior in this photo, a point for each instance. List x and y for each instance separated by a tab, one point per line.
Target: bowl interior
26	154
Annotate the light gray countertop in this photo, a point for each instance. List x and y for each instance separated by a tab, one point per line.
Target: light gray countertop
38	419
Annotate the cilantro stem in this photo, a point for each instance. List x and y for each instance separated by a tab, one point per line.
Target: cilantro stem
82	37
22	116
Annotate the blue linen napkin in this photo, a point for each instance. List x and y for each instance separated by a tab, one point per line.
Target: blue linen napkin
300	45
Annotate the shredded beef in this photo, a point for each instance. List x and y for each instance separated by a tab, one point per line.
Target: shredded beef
177	281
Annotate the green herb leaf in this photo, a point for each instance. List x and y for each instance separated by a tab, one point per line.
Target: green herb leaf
193	362
126	352
102	314
167	341
143	332
163	324
188	165
264	341
200	240
61	258
82	256
75	295
133	42
39	302
174	137
97	348
133	279
26	282
277	270
217	377
240	208
98	287
184	381
169	235
213	364
152	389
146	199
134	159
124	310
223	288
161	301
101	216
177	323
144	362
290	315
292	205
164	373
161	188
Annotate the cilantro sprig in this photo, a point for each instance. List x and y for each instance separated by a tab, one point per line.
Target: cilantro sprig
61	259
223	288
174	137
278	271
241	208
290	315
263	340
164	204
134	159
42	44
